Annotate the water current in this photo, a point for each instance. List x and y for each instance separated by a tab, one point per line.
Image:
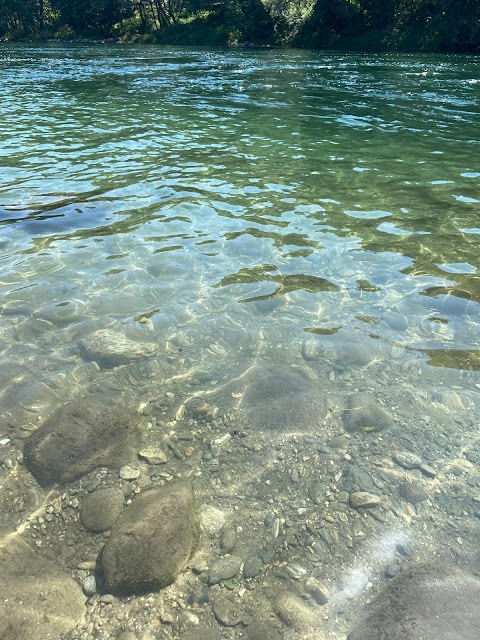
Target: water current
272	258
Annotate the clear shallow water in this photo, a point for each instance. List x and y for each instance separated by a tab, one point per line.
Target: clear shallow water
288	210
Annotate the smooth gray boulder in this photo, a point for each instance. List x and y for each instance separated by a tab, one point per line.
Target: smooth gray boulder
79	437
153	540
37	600
429	602
101	509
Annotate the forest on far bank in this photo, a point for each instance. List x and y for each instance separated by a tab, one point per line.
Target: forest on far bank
378	25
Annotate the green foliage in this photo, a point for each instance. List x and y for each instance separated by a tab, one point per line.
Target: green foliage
431	25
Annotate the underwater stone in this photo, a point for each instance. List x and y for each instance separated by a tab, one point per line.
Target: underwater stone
101	509
152	541
365	415
113	348
79	437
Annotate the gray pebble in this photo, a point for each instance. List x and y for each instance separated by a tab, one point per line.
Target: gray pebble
252	567
227	612
129	473
228	539
413	492
224	569
407	460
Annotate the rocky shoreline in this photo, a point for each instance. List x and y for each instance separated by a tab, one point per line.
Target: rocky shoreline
256	503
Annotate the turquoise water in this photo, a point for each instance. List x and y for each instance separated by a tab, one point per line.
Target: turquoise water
289	211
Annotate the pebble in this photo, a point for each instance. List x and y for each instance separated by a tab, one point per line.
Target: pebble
294	612
364	500
228	539
152	455
428	471
224	569
89	586
412	492
129	473
407	460
252	567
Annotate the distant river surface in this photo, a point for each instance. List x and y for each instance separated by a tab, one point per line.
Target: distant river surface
292	237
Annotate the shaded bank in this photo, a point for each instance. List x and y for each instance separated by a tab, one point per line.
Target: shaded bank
421	25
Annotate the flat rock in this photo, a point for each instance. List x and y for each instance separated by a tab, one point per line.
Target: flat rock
407	460
364	500
151	455
37	600
152	541
364	414
413	492
429	602
79	437
112	348
224	569
101	509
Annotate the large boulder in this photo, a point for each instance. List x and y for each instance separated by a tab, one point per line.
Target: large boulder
428	602
79	437
153	540
37	600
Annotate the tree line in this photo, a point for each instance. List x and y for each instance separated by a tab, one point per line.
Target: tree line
431	25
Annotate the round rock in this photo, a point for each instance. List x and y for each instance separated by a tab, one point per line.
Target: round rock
224	569
413	492
101	509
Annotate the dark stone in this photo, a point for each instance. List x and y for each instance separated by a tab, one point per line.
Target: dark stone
224	569
252	567
101	509
412	492
79	437
227	612
428	602
152	541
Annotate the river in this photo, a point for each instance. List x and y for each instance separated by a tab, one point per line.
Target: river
248	248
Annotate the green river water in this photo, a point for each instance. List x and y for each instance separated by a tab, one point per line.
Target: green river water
290	227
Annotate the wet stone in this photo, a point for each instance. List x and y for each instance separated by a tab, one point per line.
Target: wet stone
317	590
407	460
224	569
252	567
227	612
228	540
153	456
140	555
129	473
413	492
364	415
101	509
396	320
316	491
89	586
79	437
364	500
113	348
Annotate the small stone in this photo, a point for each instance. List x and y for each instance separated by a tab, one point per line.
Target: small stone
227	612
224	569
364	500
252	567
152	455
129	473
89	586
364	415
212	519
4	441
428	471
412	492
407	460
107	598
228	540
396	320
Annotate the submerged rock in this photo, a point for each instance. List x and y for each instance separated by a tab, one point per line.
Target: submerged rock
152	541
294	612
113	348
79	437
37	600
101	509
429	602
365	415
